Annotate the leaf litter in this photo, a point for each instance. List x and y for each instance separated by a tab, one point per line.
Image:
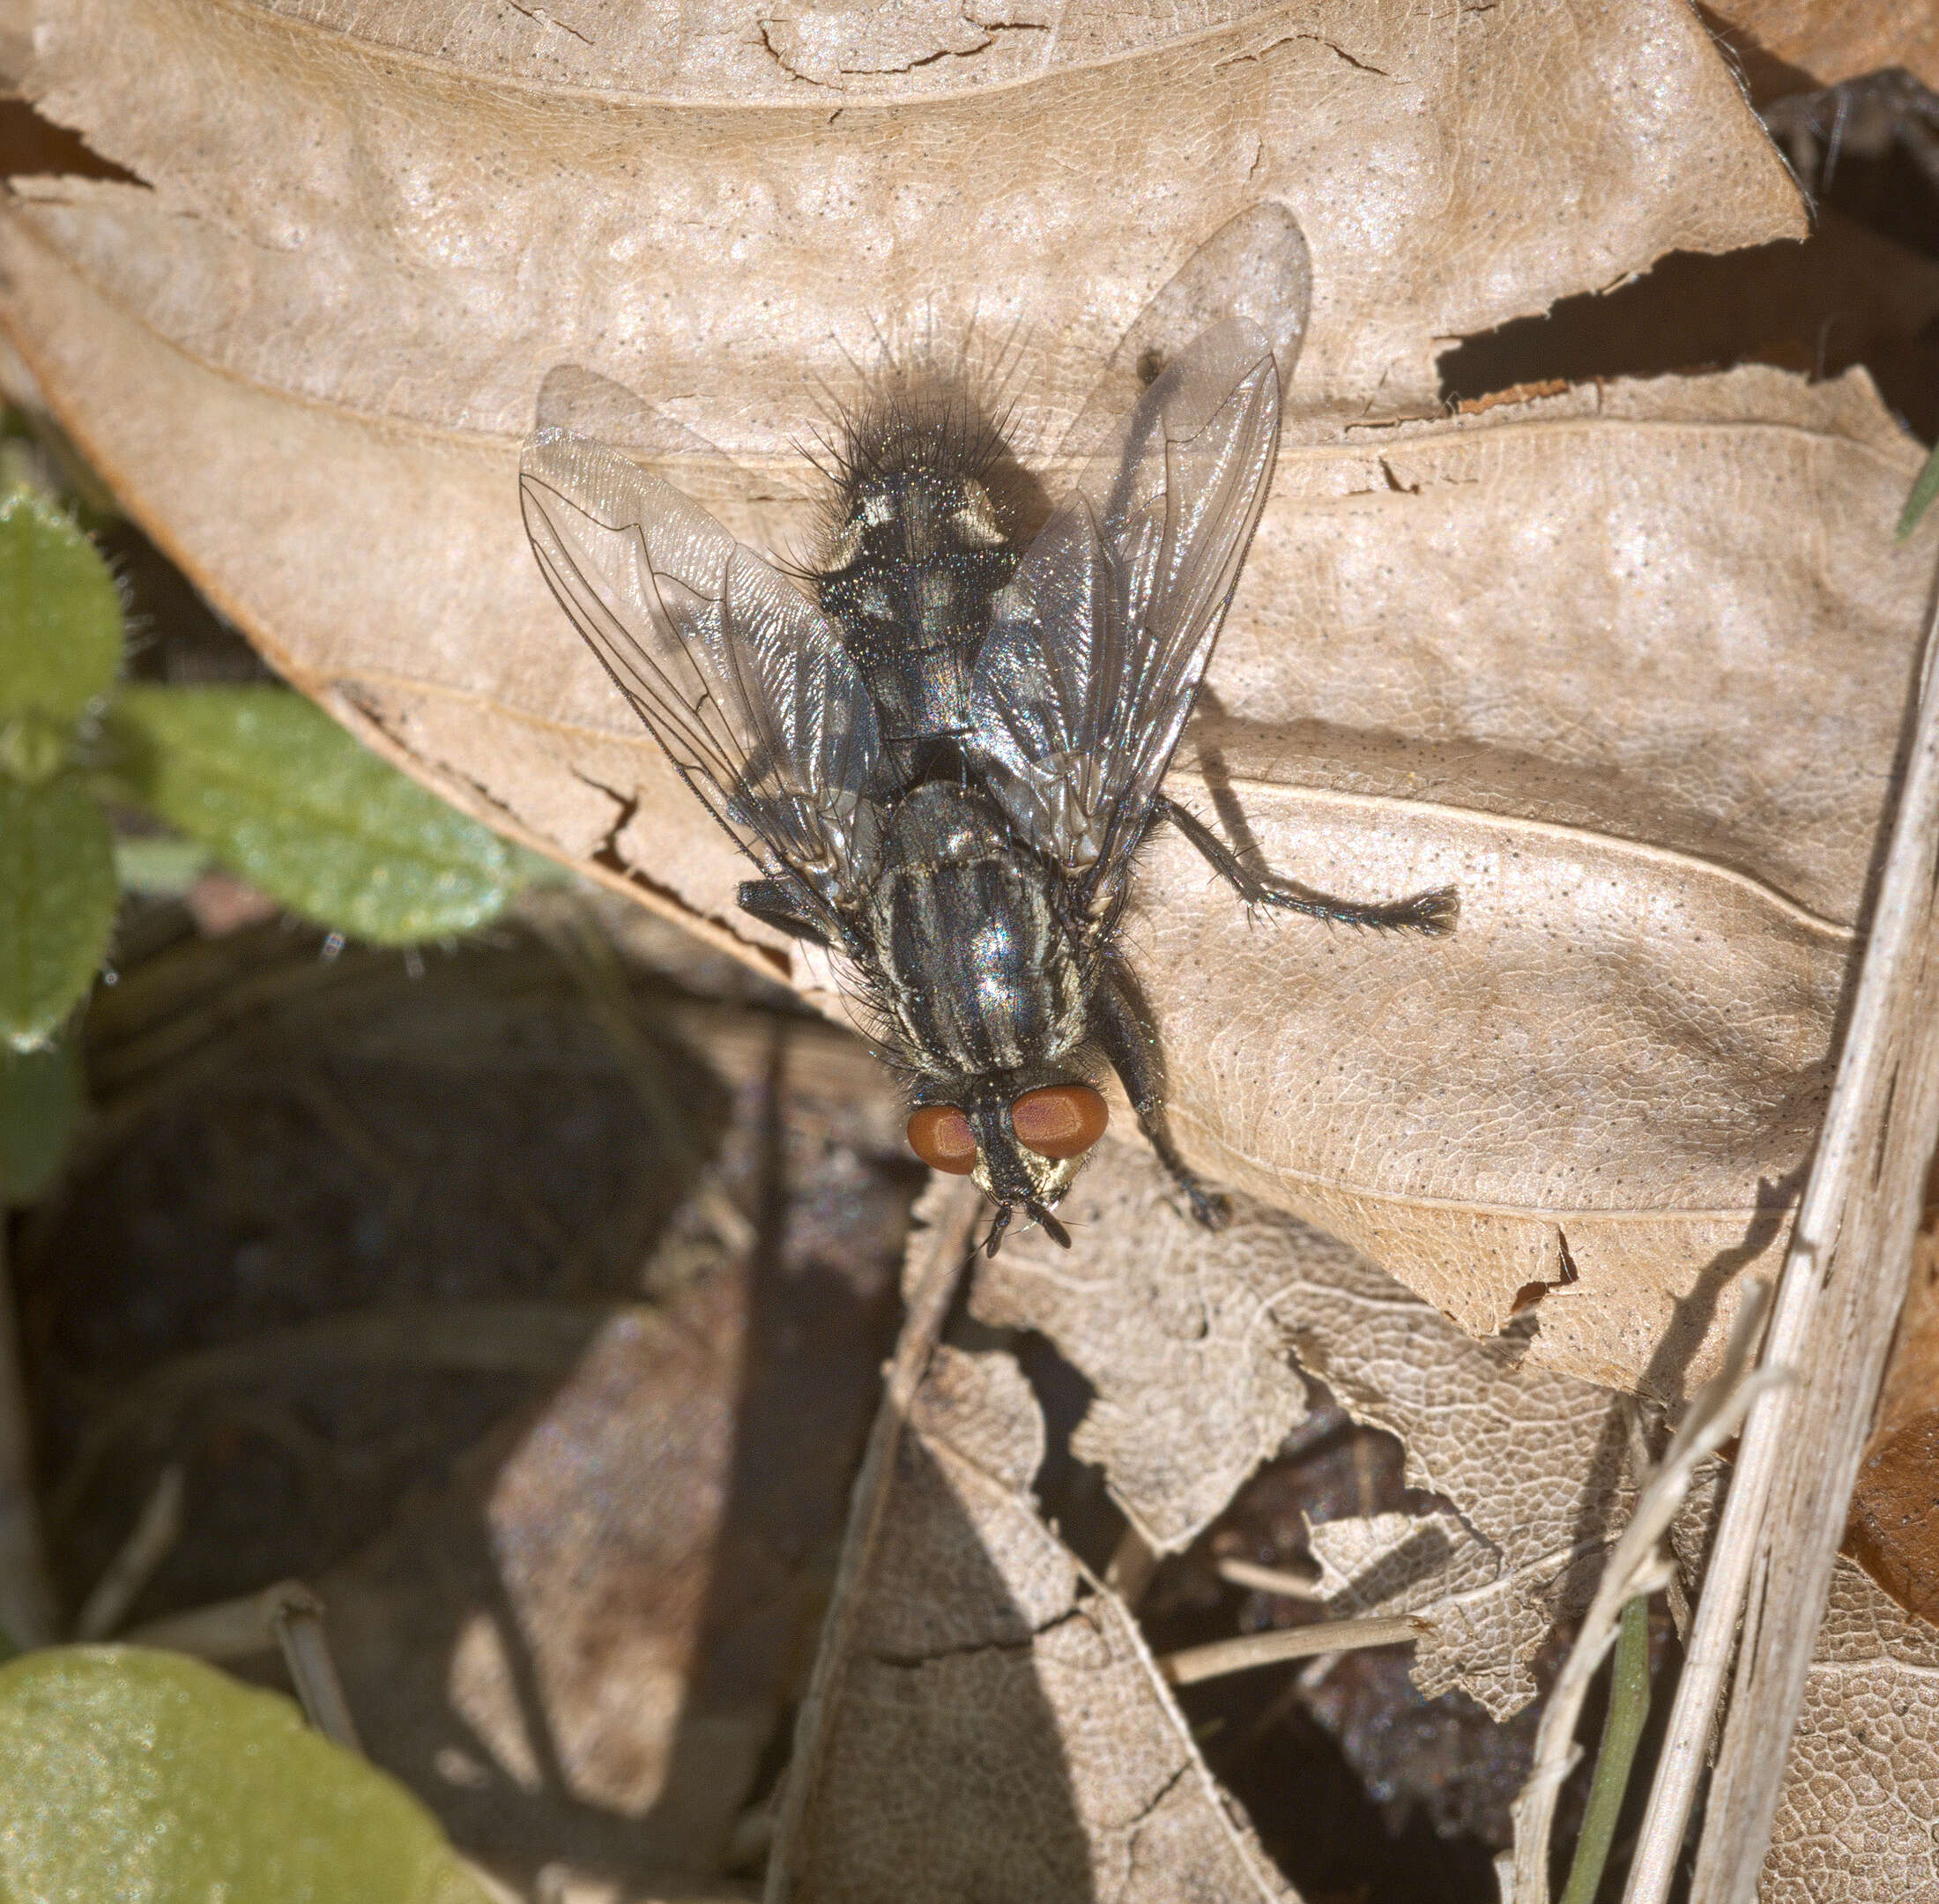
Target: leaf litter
1574	652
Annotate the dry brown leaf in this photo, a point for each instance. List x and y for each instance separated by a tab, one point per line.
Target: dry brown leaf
1825	42
1573	654
582	1647
997	1727
378	220
1859	1817
1195	1349
1894	1530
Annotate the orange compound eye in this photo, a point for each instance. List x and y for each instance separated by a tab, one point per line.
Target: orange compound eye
1061	1120
940	1134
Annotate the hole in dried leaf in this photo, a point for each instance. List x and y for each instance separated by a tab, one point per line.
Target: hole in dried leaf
1070	1493
31	146
1862	289
1357	1784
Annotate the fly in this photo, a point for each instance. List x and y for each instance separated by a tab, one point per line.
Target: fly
941	746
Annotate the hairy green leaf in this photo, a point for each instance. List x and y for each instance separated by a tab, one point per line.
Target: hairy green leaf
40	1095
57	896
148	1778
284	797
60	614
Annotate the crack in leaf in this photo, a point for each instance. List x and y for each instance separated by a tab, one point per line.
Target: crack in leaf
975	1648
1332	46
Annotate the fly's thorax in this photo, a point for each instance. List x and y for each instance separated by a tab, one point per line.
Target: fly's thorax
917	553
977	966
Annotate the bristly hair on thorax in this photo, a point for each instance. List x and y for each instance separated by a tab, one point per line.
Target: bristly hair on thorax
939	404
925	517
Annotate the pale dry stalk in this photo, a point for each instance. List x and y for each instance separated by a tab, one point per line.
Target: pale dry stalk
150	1541
1249	1651
1636	1565
1843	1283
295	1615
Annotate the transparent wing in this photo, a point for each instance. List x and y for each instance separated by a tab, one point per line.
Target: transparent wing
1083	687
740	678
1255	265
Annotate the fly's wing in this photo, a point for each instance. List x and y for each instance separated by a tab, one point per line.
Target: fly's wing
1255	265
1083	686
742	680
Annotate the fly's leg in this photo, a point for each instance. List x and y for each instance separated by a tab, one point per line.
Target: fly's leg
775	903
1430	912
1128	1043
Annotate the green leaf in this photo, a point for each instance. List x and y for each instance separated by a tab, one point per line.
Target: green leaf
1924	487
149	1778
40	1097
57	895
284	798
60	614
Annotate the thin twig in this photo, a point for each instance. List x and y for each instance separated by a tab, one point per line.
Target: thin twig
288	1616
30	1612
1269	1579
296	1617
1616	1756
1192	1665
1635	1567
946	1258
150	1541
1843	1283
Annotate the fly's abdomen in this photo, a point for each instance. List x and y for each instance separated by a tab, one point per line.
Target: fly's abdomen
977	970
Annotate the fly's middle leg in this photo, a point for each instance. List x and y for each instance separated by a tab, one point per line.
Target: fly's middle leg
1431	912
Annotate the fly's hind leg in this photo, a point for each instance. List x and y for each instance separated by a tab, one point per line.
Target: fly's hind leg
1128	1043
1431	912
776	904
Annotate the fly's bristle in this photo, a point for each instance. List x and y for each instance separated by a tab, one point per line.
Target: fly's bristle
922	424
937	413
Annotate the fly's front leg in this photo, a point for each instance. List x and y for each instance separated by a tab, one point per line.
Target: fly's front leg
1431	912
1133	1050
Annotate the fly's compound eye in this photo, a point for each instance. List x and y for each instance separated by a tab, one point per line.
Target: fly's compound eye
1061	1120
940	1134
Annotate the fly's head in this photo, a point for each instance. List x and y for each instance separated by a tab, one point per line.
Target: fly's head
1020	1139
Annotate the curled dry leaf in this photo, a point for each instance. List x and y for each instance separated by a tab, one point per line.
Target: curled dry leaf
581	1647
378	221
1195	1349
994	1725
1791	45
1657	786
1624	663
